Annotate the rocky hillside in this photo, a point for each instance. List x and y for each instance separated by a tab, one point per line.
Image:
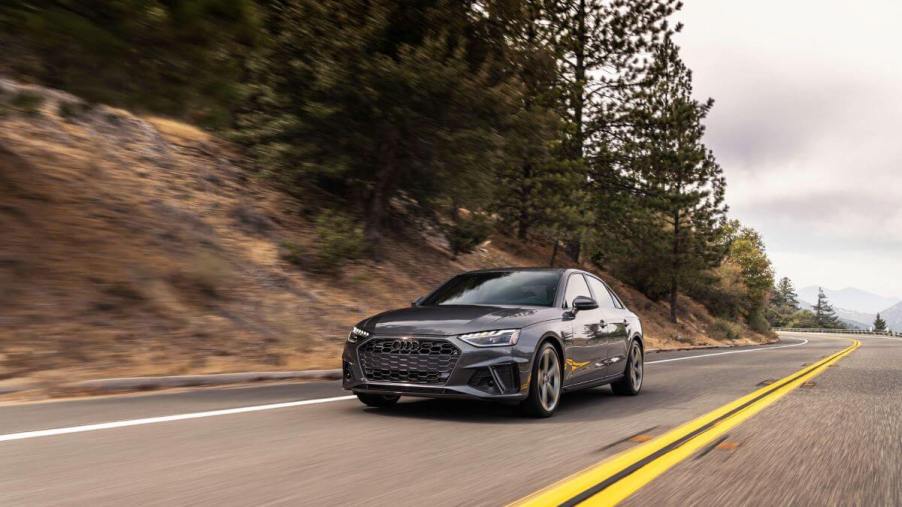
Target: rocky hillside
142	246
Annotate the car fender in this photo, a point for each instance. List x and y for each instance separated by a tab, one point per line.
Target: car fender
528	346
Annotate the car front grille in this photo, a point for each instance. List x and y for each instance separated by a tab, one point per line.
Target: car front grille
408	360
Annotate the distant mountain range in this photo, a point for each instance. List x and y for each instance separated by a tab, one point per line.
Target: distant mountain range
855	307
853	299
893	317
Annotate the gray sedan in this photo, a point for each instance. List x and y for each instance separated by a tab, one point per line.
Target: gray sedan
514	335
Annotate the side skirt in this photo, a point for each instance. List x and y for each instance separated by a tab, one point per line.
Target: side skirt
593	383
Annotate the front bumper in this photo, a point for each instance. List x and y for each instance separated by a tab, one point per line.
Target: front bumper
488	373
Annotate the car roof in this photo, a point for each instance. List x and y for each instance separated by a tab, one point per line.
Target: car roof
495	270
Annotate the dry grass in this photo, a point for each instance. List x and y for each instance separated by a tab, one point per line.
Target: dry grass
141	247
178	131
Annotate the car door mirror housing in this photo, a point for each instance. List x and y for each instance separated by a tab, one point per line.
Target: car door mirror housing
584	303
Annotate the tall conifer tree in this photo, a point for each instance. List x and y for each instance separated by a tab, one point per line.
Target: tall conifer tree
824	314
673	178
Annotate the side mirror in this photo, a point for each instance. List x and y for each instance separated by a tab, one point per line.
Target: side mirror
584	303
417	301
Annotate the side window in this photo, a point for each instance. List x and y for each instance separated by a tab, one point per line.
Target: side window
617	301
576	286
602	295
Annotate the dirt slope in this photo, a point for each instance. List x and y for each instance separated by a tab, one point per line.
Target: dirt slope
141	246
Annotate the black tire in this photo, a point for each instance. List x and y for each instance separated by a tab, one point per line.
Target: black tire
629	385
377	400
534	405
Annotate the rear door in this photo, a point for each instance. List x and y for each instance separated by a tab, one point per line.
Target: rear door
584	348
613	327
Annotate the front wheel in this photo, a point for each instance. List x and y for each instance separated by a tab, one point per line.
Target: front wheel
631	382
545	385
377	400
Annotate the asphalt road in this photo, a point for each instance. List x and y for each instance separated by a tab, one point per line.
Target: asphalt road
836	442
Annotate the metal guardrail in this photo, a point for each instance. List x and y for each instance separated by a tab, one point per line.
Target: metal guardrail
837	331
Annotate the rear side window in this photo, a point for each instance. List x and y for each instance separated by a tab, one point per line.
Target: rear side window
576	286
602	295
617	301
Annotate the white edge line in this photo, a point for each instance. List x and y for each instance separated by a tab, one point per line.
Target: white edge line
165	418
803	342
258	408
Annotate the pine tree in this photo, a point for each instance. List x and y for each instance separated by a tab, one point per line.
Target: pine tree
574	58
536	186
824	315
784	303
879	324
673	179
370	99
784	295
604	45
177	58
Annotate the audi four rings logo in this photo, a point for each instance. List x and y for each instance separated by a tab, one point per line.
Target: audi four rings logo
405	345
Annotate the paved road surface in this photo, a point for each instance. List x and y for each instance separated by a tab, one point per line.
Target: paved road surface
837	442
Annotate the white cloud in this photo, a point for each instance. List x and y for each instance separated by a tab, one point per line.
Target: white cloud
808	127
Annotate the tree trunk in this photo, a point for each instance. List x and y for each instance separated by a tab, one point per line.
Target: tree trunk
578	97
573	249
455	211
579	77
553	254
374	220
675	267
379	199
523	221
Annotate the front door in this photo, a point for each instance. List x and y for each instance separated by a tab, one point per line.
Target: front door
613	329
584	354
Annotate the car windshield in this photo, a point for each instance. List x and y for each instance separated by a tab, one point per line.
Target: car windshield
528	288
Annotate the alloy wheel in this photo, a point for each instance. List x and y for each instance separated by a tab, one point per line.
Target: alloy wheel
549	380
636	366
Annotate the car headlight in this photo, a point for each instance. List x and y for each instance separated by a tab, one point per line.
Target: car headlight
497	338
356	333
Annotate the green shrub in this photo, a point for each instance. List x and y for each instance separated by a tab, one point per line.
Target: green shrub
70	110
803	319
339	239
295	254
725	330
758	321
721	291
466	234
27	102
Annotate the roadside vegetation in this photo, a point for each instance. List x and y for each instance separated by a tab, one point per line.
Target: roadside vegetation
785	310
336	134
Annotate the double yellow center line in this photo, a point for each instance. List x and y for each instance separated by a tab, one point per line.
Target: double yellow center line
613	480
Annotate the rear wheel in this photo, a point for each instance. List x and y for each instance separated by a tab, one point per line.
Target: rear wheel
631	382
545	385
377	400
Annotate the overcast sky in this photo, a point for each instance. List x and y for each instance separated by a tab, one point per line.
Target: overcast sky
807	125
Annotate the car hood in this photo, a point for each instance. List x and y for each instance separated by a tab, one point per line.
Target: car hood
453	319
